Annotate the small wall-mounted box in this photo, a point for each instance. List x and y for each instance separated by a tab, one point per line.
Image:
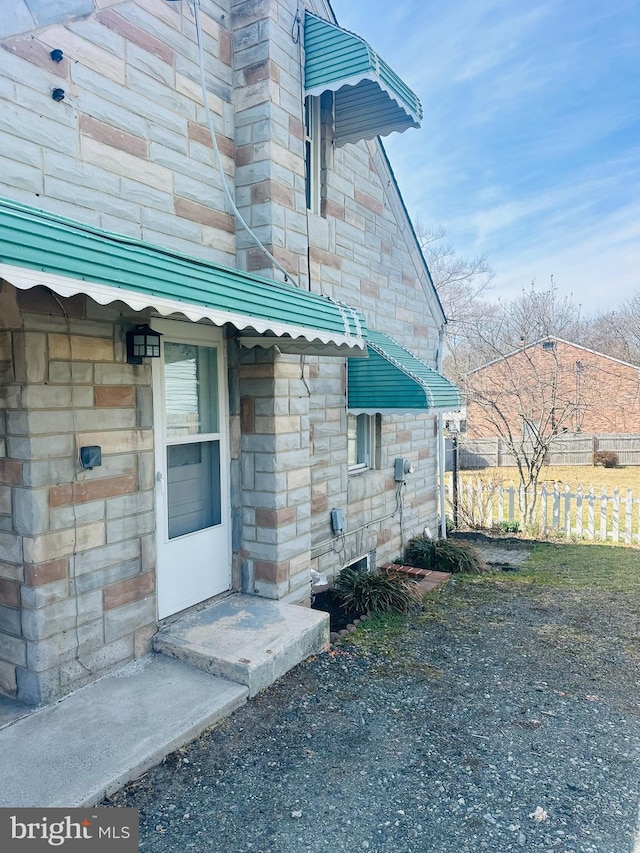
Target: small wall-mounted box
402	468
337	520
91	456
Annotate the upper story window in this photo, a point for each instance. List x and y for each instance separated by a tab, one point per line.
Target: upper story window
312	140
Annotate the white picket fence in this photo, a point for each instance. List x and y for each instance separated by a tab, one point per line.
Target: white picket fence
580	514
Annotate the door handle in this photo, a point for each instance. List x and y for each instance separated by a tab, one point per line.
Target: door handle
160	480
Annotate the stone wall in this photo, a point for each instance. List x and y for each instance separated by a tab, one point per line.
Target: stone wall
276	483
128	149
362	251
381	516
77	547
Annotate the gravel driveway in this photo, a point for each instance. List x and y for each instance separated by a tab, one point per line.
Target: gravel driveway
504	717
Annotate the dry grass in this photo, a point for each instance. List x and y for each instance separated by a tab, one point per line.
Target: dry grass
607	568
568	475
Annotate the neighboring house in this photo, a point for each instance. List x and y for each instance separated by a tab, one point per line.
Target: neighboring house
133	488
556	386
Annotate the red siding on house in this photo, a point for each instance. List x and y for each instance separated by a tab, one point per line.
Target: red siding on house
593	393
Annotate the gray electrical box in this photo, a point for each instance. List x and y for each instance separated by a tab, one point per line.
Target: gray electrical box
402	468
337	520
91	456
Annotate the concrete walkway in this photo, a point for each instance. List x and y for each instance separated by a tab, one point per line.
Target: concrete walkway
94	741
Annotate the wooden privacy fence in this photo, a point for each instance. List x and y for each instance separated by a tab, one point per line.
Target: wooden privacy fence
565	450
612	516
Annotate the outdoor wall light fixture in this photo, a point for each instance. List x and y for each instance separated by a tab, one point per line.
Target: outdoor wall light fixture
142	342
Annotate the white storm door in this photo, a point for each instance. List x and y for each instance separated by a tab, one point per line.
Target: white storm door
192	487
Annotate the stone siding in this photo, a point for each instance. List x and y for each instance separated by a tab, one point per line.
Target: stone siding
77	547
275	474
128	150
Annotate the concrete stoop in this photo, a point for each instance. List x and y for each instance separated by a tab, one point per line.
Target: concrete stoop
92	742
249	640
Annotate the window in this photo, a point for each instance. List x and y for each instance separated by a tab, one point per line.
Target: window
312	138
360	565
360	442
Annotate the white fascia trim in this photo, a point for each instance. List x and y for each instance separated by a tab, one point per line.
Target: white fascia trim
304	347
24	279
359	78
378	411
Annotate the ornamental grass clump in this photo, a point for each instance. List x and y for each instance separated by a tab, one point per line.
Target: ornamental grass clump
443	555
458	557
375	592
420	553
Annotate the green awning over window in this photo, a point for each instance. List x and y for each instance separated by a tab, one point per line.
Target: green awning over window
39	248
393	380
370	99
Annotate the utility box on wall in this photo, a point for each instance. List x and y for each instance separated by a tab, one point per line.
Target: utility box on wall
402	468
337	521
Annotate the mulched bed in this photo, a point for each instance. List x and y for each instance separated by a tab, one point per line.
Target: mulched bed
338	616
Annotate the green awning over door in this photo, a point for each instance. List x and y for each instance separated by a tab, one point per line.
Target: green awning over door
370	99
393	380
40	248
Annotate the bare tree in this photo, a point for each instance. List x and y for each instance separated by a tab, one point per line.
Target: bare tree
616	333
461	284
528	398
630	313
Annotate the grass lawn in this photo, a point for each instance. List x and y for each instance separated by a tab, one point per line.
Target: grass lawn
568	475
585	598
607	568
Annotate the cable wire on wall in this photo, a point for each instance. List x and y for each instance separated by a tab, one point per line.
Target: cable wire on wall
72	559
212	133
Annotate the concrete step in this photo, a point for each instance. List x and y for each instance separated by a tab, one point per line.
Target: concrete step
246	639
12	710
95	740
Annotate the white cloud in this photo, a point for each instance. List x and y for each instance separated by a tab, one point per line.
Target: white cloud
529	147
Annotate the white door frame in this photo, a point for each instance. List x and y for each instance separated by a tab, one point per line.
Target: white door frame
195	334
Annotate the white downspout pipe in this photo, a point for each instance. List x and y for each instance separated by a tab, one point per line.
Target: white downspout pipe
441	444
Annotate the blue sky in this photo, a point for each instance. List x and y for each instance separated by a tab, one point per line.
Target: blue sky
530	147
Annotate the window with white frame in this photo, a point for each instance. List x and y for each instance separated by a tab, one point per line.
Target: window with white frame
361	441
312	139
362	564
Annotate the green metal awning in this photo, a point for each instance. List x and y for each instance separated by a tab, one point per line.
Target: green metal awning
393	380
370	99
39	248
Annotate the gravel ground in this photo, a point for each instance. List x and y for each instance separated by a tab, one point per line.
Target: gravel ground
505	717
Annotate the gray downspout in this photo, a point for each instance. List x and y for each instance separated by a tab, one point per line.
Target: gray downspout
441	443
